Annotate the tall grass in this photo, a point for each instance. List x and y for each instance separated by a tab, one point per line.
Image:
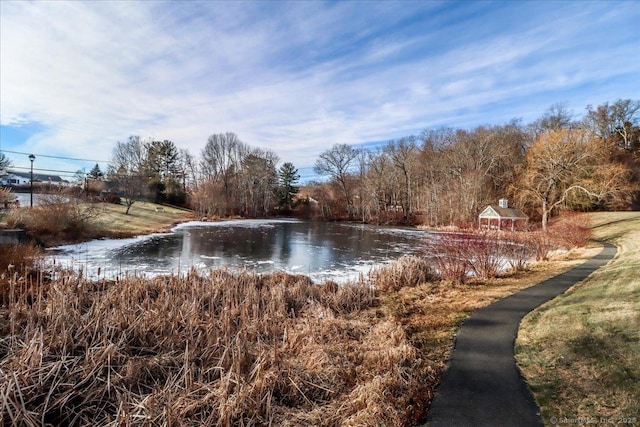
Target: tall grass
222	349
407	271
19	265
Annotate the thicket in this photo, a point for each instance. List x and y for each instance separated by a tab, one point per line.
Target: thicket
57	218
485	254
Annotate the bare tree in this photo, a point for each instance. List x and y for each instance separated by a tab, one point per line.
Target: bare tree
127	170
338	163
566	164
221	161
257	182
619	120
190	169
403	154
557	116
5	162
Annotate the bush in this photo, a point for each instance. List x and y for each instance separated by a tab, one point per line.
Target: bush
572	229
111	198
518	250
55	216
484	254
540	244
450	252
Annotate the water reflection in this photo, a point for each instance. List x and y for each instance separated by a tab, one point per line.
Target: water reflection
322	250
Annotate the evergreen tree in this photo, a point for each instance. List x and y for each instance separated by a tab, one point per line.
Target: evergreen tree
288	177
4	162
96	173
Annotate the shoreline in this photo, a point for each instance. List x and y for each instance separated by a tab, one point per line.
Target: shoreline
400	336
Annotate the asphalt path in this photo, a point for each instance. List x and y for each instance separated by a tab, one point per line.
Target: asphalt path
483	385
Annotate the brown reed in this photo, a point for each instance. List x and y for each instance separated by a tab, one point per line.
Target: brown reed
221	349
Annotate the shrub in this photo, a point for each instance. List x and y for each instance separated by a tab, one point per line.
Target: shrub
517	250
540	244
111	198
483	254
55	216
572	229
450	252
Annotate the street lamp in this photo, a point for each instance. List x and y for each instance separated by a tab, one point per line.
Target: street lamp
32	158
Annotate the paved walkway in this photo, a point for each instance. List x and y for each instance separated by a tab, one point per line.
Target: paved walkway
483	385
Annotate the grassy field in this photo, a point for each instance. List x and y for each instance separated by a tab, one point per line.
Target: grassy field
580	352
53	222
143	217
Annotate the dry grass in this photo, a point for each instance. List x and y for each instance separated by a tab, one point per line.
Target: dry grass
236	348
580	351
143	217
406	272
17	259
225	349
59	220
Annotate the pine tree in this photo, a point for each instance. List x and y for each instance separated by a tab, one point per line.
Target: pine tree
288	177
96	173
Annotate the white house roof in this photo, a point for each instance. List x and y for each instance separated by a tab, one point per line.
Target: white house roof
37	176
495	211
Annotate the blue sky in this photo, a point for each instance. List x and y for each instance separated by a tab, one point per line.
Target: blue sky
297	77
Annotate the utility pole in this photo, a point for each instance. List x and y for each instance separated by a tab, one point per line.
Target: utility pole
32	158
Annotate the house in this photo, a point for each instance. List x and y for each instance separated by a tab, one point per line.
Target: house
23	179
16	179
501	216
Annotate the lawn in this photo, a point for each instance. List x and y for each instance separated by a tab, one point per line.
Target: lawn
143	217
580	352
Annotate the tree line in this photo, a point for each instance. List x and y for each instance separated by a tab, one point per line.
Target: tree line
231	178
438	177
447	176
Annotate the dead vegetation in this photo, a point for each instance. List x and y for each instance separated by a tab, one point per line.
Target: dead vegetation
239	348
223	349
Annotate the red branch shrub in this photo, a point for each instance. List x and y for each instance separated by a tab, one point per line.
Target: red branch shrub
572	229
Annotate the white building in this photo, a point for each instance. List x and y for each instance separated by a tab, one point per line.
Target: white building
22	179
500	216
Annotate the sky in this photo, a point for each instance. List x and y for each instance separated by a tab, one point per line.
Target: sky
296	77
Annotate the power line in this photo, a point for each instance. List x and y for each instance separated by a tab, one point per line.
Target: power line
55	157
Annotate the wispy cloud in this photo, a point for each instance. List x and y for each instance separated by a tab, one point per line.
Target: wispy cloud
298	77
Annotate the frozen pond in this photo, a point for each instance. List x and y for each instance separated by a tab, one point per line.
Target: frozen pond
336	251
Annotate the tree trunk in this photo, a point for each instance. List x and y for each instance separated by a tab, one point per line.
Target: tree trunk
545	216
